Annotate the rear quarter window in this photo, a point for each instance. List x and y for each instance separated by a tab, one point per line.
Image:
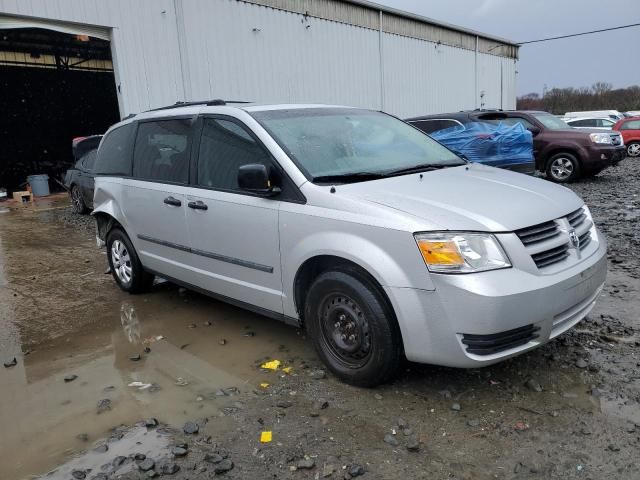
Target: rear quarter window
631	125
115	152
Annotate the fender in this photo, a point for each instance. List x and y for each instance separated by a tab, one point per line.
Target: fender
405	268
105	204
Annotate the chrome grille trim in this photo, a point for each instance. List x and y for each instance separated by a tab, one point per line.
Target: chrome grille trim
577	218
538	233
549	257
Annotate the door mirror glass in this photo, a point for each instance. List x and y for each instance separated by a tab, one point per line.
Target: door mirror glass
255	178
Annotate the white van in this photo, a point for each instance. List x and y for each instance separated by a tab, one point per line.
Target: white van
612	114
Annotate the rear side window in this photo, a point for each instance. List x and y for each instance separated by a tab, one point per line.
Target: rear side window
430	126
224	147
162	151
583	123
114	154
631	125
89	160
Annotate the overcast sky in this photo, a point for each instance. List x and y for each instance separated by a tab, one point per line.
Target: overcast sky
612	57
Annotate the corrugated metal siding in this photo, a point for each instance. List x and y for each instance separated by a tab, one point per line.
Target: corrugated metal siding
209	49
423	77
238	50
369	17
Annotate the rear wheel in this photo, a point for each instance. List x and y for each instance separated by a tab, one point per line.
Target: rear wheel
77	201
125	265
633	149
562	168
353	330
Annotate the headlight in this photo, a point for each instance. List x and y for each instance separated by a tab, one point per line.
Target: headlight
600	138
459	252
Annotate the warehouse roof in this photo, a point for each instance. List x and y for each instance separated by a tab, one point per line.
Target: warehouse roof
364	13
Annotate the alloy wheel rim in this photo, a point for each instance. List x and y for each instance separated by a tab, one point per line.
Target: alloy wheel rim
75	198
345	330
634	150
121	262
561	168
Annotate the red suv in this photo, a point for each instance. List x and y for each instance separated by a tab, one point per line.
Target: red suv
630	130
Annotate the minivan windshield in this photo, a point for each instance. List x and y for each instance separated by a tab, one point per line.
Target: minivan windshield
551	122
343	145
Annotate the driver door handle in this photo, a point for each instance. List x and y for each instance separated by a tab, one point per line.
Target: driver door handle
174	202
199	205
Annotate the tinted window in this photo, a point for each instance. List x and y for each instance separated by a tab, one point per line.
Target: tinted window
162	151
583	123
89	160
603	122
114	154
508	121
224	147
631	125
430	126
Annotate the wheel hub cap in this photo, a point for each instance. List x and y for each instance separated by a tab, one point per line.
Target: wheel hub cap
346	329
562	168
121	261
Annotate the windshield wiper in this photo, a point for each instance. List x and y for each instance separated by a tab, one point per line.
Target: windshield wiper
349	177
425	167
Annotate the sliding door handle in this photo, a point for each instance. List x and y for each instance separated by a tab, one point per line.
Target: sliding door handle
174	202
199	205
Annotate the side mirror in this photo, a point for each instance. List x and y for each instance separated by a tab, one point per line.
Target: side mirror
534	130
254	178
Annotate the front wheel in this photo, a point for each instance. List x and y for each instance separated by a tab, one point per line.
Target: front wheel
125	265
563	168
633	149
352	328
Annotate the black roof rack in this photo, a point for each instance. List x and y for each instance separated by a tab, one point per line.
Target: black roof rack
210	103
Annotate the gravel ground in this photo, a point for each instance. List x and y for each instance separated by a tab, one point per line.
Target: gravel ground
570	409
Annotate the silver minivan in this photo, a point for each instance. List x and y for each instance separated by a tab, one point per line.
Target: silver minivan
380	242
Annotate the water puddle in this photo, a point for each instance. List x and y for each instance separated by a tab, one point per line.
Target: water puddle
77	340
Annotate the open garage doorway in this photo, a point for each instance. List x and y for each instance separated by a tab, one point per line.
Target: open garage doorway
55	86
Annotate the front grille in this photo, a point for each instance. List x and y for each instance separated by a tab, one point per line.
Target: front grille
616	139
585	239
577	218
499	342
551	256
538	233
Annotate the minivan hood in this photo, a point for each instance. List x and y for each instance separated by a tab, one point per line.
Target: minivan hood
473	197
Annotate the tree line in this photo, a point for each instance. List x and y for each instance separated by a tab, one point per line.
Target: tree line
600	96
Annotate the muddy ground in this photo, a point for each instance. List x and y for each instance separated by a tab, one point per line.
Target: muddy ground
570	409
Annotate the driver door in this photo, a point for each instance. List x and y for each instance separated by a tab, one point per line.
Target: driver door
235	245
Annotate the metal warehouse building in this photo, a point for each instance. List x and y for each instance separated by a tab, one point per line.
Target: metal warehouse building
71	67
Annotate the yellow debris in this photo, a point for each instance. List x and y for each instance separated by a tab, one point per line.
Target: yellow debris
271	365
265	437
264	385
287	369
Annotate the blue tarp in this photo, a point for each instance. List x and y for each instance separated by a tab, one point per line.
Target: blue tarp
498	145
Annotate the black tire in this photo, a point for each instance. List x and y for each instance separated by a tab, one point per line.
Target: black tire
77	202
353	328
563	168
138	280
633	150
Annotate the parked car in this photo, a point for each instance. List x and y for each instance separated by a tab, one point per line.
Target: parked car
632	113
79	179
376	239
562	152
630	130
612	114
590	122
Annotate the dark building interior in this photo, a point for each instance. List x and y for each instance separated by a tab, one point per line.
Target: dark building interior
53	87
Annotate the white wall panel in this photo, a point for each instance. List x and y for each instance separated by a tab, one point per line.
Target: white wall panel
422	77
237	50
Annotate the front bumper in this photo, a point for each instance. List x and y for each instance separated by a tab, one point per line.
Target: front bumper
434	323
599	157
